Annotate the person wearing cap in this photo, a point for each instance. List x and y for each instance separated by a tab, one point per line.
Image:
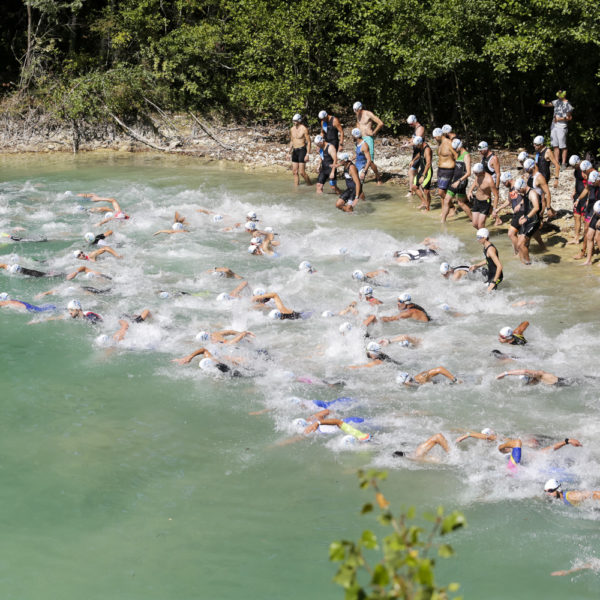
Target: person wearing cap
563	111
99	239
24	306
579	199
529	221
224	272
418	131
553	489
177	227
126	319
363	154
86	271
425	377
544	157
15	269
592	236
421	164
331	130
369	126
260	301
482	194
328	156
514	336
263	245
81	255
422	451
494	270
376	356
370	276
216	363
587	198
460	177
537	181
350	196
408	310
116	212
454	273
225	337
491	165
321	420
446	162
299	149
366	293
532	377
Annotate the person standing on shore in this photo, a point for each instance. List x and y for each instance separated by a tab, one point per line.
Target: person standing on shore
369	125
331	130
299	149
421	167
491	165
460	178
480	194
446	163
418	131
563	110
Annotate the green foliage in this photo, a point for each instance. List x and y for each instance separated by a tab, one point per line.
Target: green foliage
405	569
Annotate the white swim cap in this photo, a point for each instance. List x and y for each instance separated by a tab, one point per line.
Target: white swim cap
344	327
164	295
446	128
405	343
520	184
437	132
223	297
538	140
456	143
552	485
585	165
349	440
103	340
417	140
445	307
207	364
343	250
366	290
404	298
252	216
255	241
268	229
259	291
373	347
326	314
14	269
356	132
522	156
74	305
305	266
202	336
343	156
322	114
402	377
487	431
109	215
505	177
300	423
4	296
252	249
297	117
275	314
177	226
318	139
411	119
483	233
358	274
478	168
574	160
76	253
250	226
89	237
357	106
506	332
90	275
528	164
444	268
597	207
217	218
593	177
483	146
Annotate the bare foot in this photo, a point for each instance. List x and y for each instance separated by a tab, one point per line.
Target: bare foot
572	242
498	221
579	256
586	264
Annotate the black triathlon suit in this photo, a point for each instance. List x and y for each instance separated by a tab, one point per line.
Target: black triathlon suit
532	224
491	267
326	164
299	154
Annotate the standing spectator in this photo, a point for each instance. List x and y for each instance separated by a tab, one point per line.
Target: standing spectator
558	130
299	148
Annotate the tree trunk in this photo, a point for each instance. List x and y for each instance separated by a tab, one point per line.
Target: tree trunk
430	102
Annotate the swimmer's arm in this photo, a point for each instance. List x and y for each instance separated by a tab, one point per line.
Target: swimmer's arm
378	122
206	211
187	359
42	294
562	444
495	194
163	231
508	445
367	154
392	318
471	189
546	189
338	126
307	139
370	320
357	181
96	198
477	436
226	270
502	206
494	255
56	318
236	292
256	413
517	373
574	570
74	274
521	327
373	363
350	308
319	415
119	335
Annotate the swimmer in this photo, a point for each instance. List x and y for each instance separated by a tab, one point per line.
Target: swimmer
403	340
348	199
377	357
492	260
177	227
25	306
406	256
124	324
341	425
282	312
363	158
513	336
538	182
447	156
369	276
87	271
482	194
98	239
408	310
15	269
454	273
553	489
592	236
222	337
460	177
424	448
530	377
224	272
491	166
81	255
116	212
76	312
263	246
425	377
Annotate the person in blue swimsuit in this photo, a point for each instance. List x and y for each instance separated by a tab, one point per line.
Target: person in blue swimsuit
553	489
363	154
25	306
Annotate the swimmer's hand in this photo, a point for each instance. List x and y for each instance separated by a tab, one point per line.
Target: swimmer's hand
384	342
575	443
502	375
182	361
462	438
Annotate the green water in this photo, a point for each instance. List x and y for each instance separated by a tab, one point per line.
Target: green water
127	477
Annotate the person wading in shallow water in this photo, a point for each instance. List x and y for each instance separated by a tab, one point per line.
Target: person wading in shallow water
299	149
369	126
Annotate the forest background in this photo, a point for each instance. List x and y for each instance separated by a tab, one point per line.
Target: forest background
482	65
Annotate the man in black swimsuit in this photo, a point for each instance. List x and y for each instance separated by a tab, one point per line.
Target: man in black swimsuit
408	310
492	260
328	155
